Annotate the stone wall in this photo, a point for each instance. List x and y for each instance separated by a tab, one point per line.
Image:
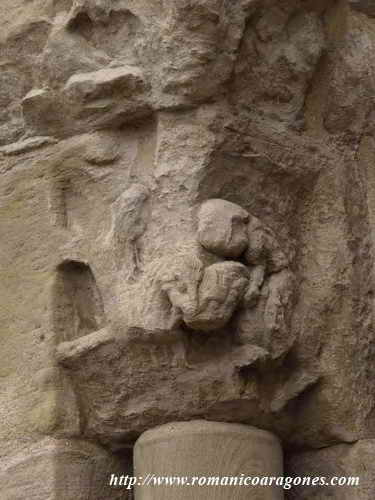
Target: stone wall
187	214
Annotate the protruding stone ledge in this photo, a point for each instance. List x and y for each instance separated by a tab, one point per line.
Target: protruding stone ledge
26	145
203	449
72	351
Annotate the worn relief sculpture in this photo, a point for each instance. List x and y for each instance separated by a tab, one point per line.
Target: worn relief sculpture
187	254
201	297
201	287
228	231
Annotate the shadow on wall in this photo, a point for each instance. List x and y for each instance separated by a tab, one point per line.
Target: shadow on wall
77	306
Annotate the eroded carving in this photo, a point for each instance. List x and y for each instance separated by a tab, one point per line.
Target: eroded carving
222	228
263	254
180	290
57	411
227	230
166	293
265	104
197	288
128	225
221	290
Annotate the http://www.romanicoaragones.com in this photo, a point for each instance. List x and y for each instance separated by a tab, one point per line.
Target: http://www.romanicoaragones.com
286	482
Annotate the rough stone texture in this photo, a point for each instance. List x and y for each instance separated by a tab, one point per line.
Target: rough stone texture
187	214
365	6
342	460
56	469
222	228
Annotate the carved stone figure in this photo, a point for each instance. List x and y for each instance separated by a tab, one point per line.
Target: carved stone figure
167	292
179	290
196	180
270	271
263	254
128	225
221	290
222	228
228	230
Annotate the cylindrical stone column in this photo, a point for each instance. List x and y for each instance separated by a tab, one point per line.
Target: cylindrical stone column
218	460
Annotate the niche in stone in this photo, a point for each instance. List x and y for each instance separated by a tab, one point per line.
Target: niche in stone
114	31
77	306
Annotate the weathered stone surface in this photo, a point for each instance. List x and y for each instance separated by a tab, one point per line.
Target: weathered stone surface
26	145
365	6
222	228
187	213
107	97
53	469
278	57
335	462
222	288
